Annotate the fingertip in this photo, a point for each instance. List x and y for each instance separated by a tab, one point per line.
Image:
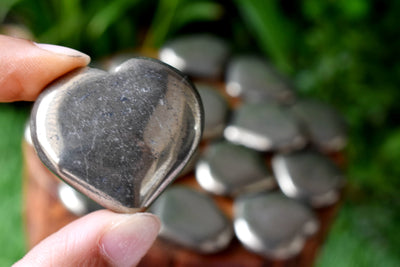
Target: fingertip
65	51
27	67
128	240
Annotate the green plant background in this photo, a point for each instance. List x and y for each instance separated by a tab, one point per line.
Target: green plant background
343	52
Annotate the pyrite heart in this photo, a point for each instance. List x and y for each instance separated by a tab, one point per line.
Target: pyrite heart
120	138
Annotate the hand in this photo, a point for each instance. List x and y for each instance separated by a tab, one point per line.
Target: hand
101	238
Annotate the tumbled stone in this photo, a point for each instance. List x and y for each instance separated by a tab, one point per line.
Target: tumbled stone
265	127
308	176
74	201
229	169
27	134
116	60
215	111
191	219
198	55
325	126
273	225
253	79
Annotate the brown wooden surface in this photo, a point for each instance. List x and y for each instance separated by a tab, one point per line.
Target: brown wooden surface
44	214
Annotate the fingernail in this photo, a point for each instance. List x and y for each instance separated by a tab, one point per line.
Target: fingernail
62	50
126	242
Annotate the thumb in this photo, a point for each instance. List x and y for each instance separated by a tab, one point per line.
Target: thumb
98	239
26	67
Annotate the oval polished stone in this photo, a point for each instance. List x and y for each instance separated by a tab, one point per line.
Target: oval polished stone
27	134
116	60
199	55
308	176
253	79
76	202
215	111
265	127
229	169
273	225
191	219
327	129
120	138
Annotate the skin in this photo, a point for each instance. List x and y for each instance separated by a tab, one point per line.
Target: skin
102	238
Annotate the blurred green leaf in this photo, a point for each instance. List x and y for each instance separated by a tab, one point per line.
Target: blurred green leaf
5	6
270	28
197	11
108	15
161	23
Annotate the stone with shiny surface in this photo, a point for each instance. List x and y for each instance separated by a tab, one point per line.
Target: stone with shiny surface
191	219
273	225
327	129
265	127
76	202
200	55
215	111
253	79
120	138
27	134
308	176
229	169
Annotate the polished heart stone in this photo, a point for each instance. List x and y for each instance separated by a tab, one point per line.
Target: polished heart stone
120	138
191	219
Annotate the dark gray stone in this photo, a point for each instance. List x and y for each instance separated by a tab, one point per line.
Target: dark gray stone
215	111
191	219
326	128
273	225
199	55
308	176
253	79
229	169
265	127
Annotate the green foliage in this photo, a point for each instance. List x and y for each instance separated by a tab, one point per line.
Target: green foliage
12	119
343	52
274	33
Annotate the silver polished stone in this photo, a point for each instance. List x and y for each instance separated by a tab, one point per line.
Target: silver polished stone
27	134
116	60
191	219
308	176
273	225
75	202
215	111
253	79
229	169
327	129
265	127
199	55
120	138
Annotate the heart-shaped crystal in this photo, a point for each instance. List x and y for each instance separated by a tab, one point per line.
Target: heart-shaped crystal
120	138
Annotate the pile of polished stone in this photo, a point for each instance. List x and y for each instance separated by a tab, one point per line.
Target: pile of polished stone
263	146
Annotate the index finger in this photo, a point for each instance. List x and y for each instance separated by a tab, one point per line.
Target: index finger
27	67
